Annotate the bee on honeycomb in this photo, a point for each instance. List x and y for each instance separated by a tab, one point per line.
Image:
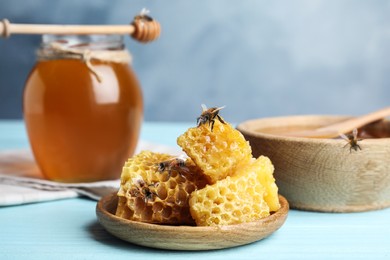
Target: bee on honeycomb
154	195
248	195
216	151
143	190
209	115
178	163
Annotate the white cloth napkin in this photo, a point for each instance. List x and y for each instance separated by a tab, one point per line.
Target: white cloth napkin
21	181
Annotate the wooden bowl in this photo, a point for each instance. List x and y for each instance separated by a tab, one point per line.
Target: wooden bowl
324	174
187	237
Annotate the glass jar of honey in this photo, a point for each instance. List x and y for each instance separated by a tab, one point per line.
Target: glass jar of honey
82	107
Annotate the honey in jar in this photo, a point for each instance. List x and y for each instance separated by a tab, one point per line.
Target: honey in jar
82	108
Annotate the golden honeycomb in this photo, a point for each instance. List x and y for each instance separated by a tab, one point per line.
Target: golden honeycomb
219	184
242	197
265	176
154	195
217	152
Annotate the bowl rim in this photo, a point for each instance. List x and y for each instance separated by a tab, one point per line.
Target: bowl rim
245	128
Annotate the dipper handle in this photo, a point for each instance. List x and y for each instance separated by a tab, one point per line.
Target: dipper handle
143	29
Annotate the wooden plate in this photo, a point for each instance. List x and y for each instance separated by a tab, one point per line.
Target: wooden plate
187	237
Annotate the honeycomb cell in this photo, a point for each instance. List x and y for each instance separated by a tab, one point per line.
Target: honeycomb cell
149	195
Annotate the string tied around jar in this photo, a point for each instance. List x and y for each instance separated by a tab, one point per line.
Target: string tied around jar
57	50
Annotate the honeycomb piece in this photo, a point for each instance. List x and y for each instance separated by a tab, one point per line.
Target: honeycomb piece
266	168
148	195
216	152
236	199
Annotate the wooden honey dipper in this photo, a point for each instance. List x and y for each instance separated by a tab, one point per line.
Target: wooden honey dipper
143	28
343	127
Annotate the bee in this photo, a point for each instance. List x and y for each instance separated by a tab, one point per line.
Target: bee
352	140
176	163
209	115
141	190
143	15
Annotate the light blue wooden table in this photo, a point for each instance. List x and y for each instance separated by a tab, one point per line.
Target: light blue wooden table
68	229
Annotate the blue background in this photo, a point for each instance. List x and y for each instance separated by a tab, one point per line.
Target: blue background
259	58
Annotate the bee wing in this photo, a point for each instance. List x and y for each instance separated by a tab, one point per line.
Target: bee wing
144	12
182	157
355	132
344	137
219	108
204	107
185	169
137	180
